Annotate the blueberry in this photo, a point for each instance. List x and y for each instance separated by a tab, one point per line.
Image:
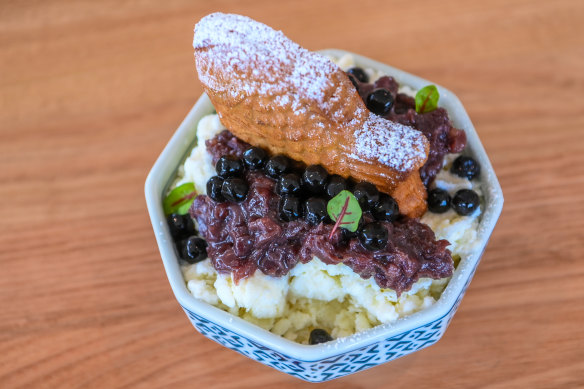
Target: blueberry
373	236
354	81
288	184
367	195
359	74
319	336
315	210
466	167
214	186
234	189
386	208
335	184
229	166
438	201
255	158
180	226
347	235
314	179
290	208
194	249
379	101
277	165
465	202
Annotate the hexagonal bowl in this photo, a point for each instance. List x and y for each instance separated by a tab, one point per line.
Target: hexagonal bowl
342	356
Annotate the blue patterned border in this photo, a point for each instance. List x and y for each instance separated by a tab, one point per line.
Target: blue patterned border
336	366
328	368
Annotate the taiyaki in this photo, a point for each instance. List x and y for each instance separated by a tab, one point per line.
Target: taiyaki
274	94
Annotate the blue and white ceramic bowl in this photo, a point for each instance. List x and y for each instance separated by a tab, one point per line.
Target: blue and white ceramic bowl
345	355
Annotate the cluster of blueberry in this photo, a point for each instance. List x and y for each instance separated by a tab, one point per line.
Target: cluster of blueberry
465	201
304	192
229	184
380	100
191	248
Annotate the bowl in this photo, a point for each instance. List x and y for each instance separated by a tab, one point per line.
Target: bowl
322	362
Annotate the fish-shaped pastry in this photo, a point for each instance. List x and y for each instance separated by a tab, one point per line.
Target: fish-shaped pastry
272	93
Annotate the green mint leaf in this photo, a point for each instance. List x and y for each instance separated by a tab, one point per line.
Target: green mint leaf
344	209
179	199
427	99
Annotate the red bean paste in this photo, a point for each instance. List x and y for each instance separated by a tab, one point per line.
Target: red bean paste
249	235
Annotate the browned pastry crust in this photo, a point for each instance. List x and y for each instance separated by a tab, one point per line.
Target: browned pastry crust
271	93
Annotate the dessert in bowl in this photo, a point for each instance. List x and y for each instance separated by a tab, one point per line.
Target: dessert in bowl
294	141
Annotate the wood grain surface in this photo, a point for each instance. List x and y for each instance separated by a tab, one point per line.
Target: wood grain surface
91	91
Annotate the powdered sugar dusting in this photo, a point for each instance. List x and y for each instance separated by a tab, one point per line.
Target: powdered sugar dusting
268	63
401	148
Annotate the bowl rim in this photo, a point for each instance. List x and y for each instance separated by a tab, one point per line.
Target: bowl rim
164	169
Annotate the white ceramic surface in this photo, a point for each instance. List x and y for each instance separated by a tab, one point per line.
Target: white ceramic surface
346	355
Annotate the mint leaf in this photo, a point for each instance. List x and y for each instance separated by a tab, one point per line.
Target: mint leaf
344	209
427	99
179	199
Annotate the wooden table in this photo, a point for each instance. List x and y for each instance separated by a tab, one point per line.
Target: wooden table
90	92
